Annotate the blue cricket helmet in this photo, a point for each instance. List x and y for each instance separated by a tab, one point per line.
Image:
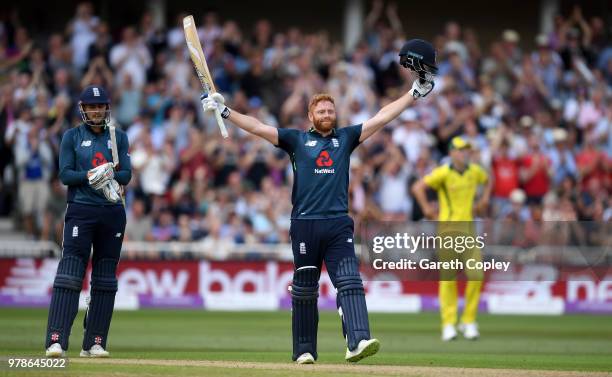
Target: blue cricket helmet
94	95
419	56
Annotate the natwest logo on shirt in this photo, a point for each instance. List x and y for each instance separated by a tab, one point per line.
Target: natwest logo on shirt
324	161
98	159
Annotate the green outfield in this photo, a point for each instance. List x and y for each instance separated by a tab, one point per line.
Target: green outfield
211	343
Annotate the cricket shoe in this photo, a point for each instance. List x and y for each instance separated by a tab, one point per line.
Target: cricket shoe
95	351
55	350
305	358
364	349
449	333
469	330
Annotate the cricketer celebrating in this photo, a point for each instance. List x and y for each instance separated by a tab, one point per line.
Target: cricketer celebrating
456	184
321	229
95	216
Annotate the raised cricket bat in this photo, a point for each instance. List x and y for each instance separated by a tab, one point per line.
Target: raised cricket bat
199	63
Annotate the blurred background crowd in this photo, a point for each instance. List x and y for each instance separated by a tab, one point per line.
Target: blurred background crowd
539	120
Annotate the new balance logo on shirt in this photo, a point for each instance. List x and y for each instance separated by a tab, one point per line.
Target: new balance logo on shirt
311	143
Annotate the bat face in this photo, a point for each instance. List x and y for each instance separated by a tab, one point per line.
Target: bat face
199	63
197	55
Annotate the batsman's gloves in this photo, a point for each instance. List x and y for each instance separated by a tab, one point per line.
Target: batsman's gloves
112	191
101	175
213	102
421	88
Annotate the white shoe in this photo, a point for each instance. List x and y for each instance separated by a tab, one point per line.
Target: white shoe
55	350
364	349
95	351
305	358
449	333
469	330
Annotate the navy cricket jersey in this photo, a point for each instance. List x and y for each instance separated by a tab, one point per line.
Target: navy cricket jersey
82	149
320	170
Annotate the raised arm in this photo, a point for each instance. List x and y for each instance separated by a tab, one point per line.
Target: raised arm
394	109
254	126
247	123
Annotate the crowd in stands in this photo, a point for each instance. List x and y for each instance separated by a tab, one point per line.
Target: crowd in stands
539	120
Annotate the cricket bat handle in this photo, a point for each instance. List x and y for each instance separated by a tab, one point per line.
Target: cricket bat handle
219	118
221	124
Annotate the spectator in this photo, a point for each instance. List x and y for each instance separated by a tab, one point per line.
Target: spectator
53	226
393	194
563	162
83	32
535	171
129	101
528	113
34	160
592	165
139	225
130	57
505	177
410	136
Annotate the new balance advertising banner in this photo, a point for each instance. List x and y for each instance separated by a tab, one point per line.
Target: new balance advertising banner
237	285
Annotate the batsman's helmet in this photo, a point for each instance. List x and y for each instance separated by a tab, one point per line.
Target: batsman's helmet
419	56
94	95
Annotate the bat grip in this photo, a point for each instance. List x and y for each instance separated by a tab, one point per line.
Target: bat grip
221	124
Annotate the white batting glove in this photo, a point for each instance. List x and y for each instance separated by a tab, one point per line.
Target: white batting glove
112	191
420	89
214	102
100	175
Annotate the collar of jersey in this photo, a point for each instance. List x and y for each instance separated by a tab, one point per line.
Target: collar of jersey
89	129
459	171
313	131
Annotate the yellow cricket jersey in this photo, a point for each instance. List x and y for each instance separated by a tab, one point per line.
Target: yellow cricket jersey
456	190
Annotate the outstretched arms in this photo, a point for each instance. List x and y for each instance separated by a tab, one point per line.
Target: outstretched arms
395	108
247	123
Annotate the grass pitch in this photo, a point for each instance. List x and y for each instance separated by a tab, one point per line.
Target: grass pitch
147	343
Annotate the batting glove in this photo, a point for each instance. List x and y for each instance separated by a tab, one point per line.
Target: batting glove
112	191
421	88
101	175
214	102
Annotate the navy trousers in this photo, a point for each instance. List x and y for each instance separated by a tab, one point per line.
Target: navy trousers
86	226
